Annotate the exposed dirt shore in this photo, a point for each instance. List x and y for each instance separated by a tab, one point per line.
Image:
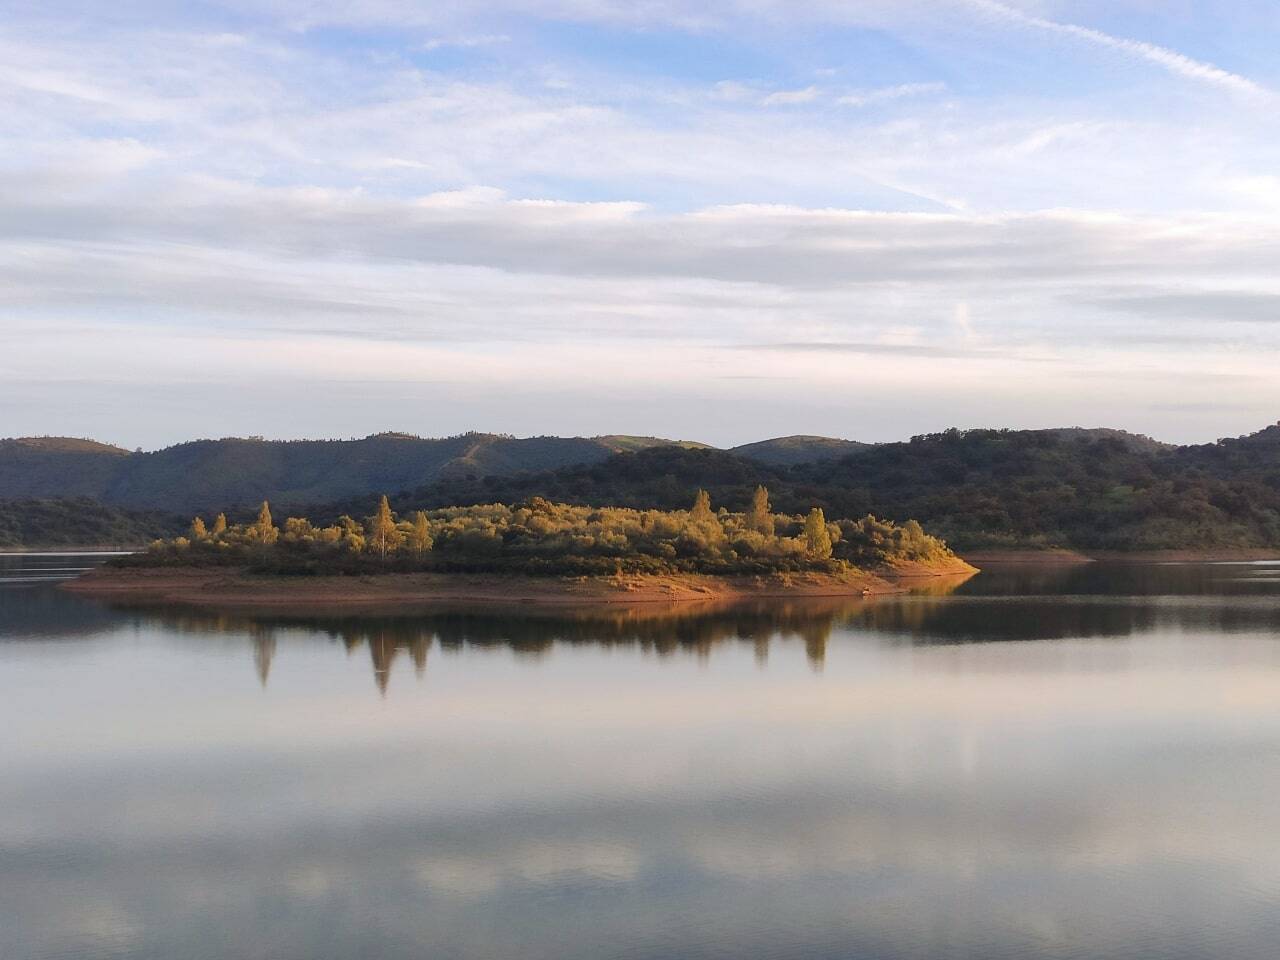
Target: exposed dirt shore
231	587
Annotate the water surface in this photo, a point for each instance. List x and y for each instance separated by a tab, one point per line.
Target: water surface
1043	763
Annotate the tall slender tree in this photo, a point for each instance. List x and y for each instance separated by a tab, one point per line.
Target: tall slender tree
760	516
219	525
383	535
701	510
198	531
817	539
420	536
264	529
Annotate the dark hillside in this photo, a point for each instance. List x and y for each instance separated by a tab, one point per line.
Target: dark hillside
62	466
80	522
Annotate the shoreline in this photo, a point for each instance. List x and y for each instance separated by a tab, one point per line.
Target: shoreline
234	588
1064	556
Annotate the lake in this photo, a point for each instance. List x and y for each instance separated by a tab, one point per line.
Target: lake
1070	762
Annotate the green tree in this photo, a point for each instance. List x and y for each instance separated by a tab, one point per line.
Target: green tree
420	536
264	529
817	539
760	516
383	535
198	531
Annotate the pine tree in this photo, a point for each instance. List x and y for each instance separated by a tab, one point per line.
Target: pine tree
264	530
817	539
760	516
420	535
219	525
383	535
198	531
701	510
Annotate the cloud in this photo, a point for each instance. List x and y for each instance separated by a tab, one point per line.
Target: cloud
1206	305
789	97
466	42
1170	60
884	94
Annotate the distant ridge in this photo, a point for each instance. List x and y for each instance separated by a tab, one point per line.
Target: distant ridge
788	451
235	472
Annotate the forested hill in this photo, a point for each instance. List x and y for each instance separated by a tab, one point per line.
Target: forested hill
1087	489
977	488
80	522
225	474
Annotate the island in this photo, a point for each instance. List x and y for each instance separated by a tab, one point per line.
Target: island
535	551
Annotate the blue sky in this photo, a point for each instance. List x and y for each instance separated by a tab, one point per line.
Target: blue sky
722	221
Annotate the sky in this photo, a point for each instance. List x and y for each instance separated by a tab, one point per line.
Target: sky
723	221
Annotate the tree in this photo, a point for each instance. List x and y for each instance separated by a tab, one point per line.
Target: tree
264	529
352	533
198	531
760	516
701	510
383	535
420	536
817	539
219	525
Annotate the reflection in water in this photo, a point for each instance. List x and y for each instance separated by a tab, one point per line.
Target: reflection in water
1038	766
1016	603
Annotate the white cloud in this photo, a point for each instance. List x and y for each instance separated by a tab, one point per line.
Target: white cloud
466	42
1170	60
883	94
789	97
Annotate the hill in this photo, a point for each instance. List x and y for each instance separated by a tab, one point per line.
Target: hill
57	466
226	474
1084	489
978	489
788	451
80	522
208	475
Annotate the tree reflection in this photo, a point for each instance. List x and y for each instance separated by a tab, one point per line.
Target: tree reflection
941	612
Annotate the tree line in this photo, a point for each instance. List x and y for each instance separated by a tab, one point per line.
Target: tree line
538	536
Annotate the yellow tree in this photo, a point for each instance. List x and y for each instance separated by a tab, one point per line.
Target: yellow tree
198	531
264	530
420	536
760	516
701	510
219	525
817	539
383	535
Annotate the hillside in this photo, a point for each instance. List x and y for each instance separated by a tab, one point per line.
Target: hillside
205	475
225	474
1086	489
789	451
977	489
79	522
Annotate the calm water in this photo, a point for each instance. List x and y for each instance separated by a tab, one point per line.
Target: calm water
1070	763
